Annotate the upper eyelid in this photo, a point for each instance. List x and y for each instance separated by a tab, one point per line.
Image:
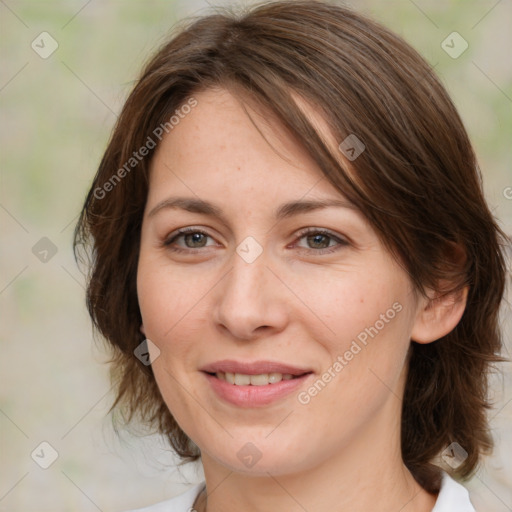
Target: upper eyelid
301	233
305	231
185	231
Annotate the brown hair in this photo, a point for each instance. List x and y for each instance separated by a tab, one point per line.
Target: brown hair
417	182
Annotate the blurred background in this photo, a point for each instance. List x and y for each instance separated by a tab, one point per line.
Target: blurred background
66	69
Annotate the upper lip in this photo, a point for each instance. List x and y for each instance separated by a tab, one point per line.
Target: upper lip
253	368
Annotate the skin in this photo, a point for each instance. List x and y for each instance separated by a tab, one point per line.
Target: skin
294	303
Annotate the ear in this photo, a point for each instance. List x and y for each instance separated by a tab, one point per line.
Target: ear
440	310
438	315
142	330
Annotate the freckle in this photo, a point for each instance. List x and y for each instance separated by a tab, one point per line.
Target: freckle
361	301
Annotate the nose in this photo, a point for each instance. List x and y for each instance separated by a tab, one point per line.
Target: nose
250	300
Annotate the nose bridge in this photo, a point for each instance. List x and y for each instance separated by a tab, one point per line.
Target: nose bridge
246	280
248	299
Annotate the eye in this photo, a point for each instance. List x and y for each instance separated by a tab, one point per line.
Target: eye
321	241
190	238
318	241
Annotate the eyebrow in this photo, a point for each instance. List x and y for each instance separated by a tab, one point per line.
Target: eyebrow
284	211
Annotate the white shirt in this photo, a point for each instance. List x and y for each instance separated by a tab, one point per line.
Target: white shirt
452	498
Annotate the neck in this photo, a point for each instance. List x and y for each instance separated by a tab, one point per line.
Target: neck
365	473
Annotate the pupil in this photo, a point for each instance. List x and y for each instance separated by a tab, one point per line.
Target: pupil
317	239
195	239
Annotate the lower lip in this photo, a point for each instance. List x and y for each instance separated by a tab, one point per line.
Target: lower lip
254	396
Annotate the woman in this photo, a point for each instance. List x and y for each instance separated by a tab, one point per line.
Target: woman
295	266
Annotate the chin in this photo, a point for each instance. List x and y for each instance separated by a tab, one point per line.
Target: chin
255	459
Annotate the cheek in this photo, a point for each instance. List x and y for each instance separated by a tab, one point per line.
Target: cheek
366	319
165	297
175	313
352	302
365	373
173	316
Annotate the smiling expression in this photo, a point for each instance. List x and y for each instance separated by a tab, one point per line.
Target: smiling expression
249	254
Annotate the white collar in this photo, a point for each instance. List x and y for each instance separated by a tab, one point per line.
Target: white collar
453	497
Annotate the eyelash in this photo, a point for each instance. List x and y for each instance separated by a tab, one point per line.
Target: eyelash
303	233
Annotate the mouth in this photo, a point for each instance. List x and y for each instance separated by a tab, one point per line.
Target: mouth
262	379
243	369
253	385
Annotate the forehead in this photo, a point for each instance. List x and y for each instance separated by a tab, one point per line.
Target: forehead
226	142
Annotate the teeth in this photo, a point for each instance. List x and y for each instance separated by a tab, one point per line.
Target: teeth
240	379
263	380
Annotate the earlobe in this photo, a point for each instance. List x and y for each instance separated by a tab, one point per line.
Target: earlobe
438	315
142	330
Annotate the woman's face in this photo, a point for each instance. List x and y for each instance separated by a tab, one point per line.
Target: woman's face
264	276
